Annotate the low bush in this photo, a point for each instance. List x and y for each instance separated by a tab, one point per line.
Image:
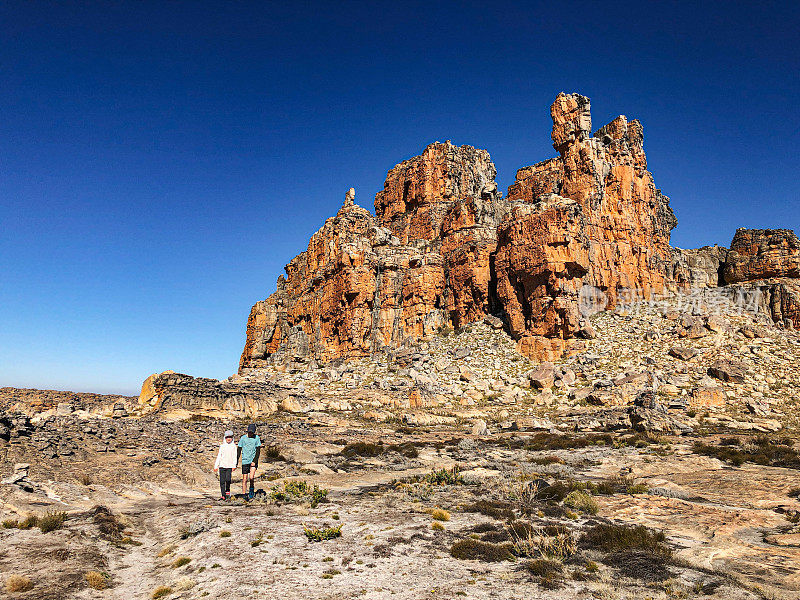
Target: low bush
563	441
18	583
10	524
548	573
52	521
761	450
272	453
180	562
299	491
581	501
320	534
161	592
167	550
29	522
494	509
615	538
195	528
96	580
439	514
444	477
363	449
472	549
639	564
224	534
106	522
437	526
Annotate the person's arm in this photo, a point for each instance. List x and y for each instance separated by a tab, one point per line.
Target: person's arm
255	460
238	454
216	462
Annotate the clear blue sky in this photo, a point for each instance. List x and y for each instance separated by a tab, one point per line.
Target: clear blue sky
161	161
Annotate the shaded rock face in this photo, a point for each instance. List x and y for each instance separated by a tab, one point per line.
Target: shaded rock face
767	261
762	254
697	267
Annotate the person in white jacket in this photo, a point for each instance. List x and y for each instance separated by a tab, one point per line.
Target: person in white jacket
225	464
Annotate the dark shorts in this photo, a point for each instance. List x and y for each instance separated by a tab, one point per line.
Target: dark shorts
246	468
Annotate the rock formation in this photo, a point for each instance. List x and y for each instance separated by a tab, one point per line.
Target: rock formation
768	261
587	228
366	283
175	394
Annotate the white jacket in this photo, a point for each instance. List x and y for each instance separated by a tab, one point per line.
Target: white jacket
226	457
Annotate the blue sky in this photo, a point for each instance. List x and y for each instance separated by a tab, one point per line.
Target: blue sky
160	162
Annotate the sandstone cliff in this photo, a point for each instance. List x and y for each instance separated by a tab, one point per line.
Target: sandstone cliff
444	249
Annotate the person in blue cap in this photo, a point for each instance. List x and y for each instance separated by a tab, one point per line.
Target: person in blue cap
249	451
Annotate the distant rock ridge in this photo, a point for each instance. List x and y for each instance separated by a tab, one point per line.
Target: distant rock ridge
445	248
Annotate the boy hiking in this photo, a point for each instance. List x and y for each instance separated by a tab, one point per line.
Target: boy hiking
249	450
227	458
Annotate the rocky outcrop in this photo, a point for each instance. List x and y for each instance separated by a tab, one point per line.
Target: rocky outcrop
175	394
366	283
597	220
577	233
697	267
32	401
765	264
762	254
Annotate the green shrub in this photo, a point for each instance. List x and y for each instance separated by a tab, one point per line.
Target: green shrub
299	491
320	534
224	533
581	501
444	477
10	524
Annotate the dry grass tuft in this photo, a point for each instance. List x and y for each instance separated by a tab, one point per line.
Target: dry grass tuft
52	521
18	583
439	514
96	580
472	549
181	561
161	592
167	550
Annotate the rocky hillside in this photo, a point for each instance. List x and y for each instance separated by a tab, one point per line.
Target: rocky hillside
575	233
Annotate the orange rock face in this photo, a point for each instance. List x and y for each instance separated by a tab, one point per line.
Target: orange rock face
585	230
597	220
366	283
